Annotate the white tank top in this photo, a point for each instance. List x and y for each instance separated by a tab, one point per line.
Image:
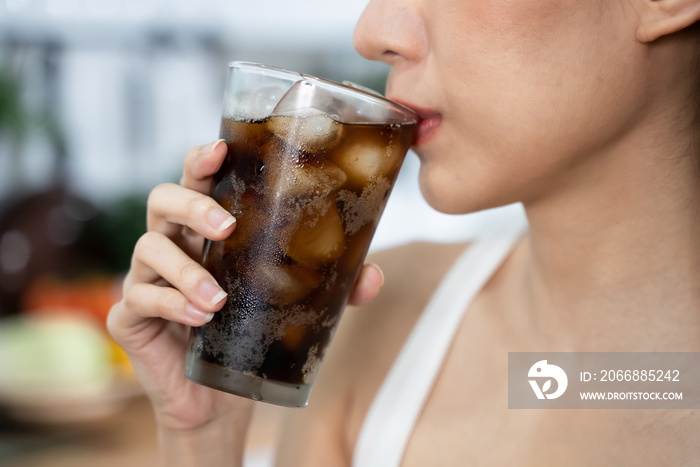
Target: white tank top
398	403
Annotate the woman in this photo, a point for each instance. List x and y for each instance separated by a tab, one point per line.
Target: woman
587	113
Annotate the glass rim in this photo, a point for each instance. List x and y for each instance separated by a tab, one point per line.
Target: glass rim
409	113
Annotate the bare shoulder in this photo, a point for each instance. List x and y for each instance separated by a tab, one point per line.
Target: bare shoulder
367	341
411	272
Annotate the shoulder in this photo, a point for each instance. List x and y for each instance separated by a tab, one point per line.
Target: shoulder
411	272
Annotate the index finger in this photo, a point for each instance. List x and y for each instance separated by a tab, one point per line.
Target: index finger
201	163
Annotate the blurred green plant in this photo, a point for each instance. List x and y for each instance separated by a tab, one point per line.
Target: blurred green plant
109	237
13	117
17	121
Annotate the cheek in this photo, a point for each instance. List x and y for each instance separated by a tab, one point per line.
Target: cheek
517	58
533	85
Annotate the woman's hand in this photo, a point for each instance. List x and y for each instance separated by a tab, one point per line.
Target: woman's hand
166	291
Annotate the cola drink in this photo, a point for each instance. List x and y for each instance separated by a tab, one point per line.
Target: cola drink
307	190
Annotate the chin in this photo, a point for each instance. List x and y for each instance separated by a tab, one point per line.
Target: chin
440	197
454	196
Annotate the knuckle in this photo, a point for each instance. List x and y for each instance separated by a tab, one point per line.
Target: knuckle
146	243
199	205
156	194
112	323
188	272
168	302
130	300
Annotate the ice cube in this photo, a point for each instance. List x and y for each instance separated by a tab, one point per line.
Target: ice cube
318	239
284	284
303	95
293	335
363	162
288	179
308	125
254	105
308	131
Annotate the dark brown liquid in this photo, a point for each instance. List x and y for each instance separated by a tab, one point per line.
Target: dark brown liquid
307	193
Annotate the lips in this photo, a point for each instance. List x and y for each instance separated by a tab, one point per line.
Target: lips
427	126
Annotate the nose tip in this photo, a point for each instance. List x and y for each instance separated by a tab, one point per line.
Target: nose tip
389	31
362	38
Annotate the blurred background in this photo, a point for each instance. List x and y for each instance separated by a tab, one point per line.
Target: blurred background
99	102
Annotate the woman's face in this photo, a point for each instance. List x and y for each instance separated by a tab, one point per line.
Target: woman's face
518	96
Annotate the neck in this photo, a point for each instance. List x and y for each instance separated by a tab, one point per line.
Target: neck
613	260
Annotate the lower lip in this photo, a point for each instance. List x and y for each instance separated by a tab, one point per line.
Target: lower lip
427	128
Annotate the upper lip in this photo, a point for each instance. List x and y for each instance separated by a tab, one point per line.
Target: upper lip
423	113
428	122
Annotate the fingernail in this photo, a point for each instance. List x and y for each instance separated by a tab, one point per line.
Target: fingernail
381	273
212	293
198	314
209	148
221	219
215	144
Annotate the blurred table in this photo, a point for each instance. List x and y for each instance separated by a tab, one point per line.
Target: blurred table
125	439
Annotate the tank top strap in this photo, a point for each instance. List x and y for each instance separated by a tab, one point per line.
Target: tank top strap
398	403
